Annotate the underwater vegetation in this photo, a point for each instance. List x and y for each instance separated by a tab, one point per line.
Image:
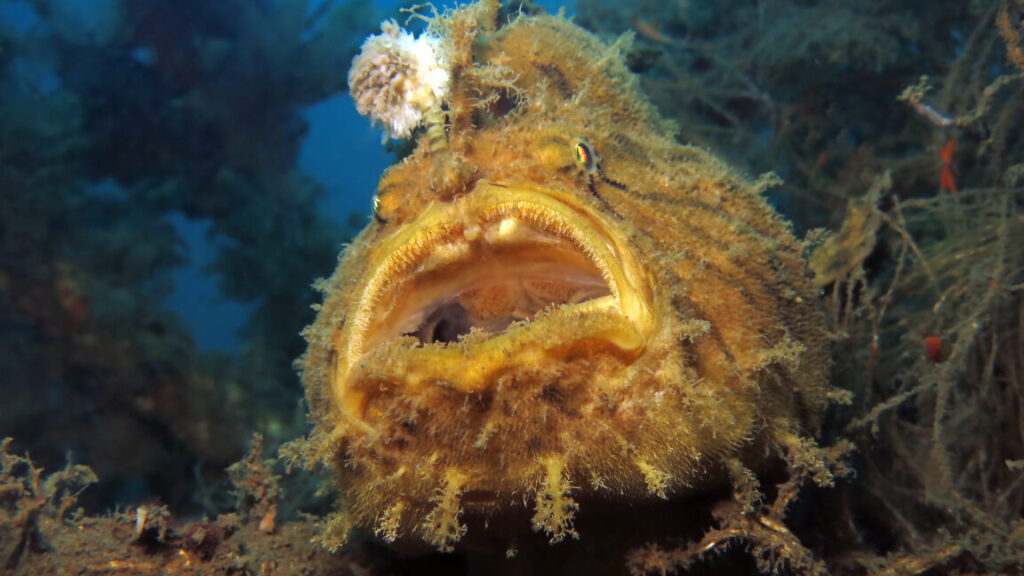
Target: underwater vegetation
653	398
923	274
188	109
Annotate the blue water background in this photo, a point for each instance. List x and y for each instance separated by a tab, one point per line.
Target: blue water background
341	150
344	153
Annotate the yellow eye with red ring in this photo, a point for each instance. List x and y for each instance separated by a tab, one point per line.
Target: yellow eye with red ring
584	156
589	162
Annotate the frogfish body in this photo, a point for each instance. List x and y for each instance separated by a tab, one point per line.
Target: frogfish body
555	299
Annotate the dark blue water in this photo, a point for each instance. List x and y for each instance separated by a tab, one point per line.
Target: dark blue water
341	151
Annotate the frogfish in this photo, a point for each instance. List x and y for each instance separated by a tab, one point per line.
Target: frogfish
556	304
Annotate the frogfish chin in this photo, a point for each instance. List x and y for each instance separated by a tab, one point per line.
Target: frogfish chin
555	302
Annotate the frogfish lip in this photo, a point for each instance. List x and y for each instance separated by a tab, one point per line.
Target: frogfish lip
506	276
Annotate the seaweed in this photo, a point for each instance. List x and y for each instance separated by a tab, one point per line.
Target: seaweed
749	519
922	275
32	504
112	127
38	535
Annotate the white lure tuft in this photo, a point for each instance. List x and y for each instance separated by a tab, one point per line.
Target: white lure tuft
396	78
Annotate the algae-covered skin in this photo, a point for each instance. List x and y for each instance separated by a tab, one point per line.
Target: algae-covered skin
555	300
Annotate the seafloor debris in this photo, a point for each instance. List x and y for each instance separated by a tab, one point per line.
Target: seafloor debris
759	526
31	505
40	534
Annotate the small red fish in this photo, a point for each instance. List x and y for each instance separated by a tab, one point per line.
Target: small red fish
946	182
934	349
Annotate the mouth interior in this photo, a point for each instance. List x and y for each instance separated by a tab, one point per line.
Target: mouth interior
488	285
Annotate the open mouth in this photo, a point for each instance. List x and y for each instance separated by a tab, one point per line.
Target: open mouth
502	284
505	275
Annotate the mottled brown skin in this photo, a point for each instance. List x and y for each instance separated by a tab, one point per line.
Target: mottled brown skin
735	356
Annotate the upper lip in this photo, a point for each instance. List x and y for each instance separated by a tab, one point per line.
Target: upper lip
490	252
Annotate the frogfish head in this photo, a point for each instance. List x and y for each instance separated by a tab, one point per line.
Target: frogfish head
555	300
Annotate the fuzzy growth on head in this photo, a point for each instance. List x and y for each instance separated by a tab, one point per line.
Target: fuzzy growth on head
397	78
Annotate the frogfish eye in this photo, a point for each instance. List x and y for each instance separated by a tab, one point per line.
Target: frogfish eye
378	209
584	156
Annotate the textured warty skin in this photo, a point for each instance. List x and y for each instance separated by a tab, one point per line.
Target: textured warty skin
556	302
